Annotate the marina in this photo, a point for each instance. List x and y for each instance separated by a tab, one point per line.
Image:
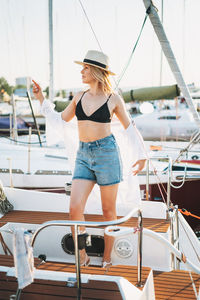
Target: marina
156	248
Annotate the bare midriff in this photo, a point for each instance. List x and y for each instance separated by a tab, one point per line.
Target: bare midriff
90	131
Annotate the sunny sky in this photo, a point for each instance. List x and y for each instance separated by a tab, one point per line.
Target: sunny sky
24	40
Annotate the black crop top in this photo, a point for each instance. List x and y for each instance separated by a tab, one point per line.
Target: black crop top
101	115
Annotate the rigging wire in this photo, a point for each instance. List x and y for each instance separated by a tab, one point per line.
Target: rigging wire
122	74
90	25
125	68
197	255
191	278
129	60
193	285
132	52
194	140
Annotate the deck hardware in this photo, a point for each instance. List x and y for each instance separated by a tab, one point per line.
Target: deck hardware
68	186
94	245
71	282
10	171
77	259
147	180
177	235
174	229
17	296
123	248
42	257
29	150
139	257
169	184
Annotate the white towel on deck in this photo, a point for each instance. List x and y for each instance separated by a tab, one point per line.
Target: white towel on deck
23	257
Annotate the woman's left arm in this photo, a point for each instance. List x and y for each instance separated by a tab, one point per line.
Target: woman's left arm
122	115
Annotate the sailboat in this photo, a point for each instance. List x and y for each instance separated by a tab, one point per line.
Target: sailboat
167	125
167	259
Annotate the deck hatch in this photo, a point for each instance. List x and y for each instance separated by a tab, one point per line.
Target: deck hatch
96	248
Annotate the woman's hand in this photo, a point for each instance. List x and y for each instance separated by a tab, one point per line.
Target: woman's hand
37	92
140	163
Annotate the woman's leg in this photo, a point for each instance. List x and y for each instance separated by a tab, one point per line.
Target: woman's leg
79	193
108	199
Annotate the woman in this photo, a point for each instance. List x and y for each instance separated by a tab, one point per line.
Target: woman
98	158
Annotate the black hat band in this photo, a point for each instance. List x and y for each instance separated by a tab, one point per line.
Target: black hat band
89	61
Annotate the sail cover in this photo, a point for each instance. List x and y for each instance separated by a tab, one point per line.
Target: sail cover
152	93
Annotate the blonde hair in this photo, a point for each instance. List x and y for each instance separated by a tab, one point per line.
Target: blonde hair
102	76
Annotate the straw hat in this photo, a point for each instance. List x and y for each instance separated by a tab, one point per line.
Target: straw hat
97	59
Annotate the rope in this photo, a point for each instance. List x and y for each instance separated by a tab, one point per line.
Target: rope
90	25
5	205
159	182
192	280
187	213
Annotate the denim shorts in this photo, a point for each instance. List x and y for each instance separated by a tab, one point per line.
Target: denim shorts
99	161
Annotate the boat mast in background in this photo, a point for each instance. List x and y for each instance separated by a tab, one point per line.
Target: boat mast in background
51	81
161	52
159	30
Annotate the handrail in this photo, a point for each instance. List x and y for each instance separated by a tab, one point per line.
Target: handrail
118	231
83	223
76	224
172	248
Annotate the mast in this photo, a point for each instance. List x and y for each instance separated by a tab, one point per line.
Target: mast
51	81
161	52
159	30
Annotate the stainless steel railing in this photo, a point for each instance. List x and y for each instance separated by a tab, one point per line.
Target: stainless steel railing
169	177
77	224
174	231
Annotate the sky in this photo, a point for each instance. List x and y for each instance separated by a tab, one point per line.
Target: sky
24	40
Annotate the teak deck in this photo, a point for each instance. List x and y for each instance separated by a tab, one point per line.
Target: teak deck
168	285
39	217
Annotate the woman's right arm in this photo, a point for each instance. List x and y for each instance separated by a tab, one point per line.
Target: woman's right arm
69	112
46	107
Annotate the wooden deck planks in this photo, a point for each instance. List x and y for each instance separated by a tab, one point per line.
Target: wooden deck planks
39	217
175	285
46	289
168	285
